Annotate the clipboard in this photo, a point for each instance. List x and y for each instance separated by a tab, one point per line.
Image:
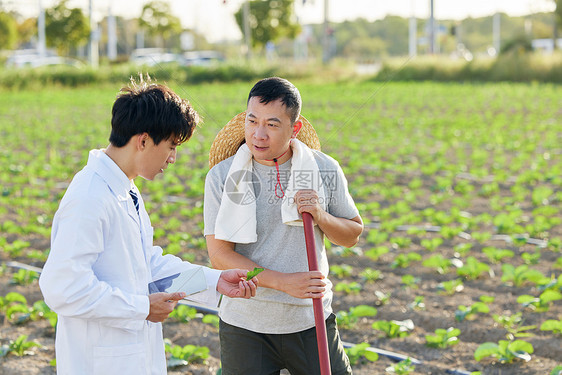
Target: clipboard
190	282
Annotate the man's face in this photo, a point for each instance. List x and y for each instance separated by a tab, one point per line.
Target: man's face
268	130
155	158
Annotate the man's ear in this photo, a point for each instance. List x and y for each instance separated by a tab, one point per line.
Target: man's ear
296	128
141	140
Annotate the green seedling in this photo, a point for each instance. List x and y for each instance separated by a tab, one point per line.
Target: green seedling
556	371
505	351
348	319
184	314
462	249
348	288
382	298
181	356
431	244
410	281
518	276
404	260
211	319
552	325
531	258
450	287
496	255
253	273
542	303
443	338
469	313
418	303
360	351
400	242
24	277
401	368
394	328
347	252
376	252
369	275
439	263
19	347
341	271
472	269
513	325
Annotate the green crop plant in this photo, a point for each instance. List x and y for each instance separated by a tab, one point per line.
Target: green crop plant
472	269
361	351
376	237
404	260
341	271
410	281
481	237
556	370
557	263
348	319
555	326
496	255
24	277
401	242
211	319
431	244
462	249
183	355
394	328
541	303
376	252
443	338
19	347
450	287
404	367
518	276
418	303
513	324
469	313
505	351
531	258
348	288
439	263
184	314
369	275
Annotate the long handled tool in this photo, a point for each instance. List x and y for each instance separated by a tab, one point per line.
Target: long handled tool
321	335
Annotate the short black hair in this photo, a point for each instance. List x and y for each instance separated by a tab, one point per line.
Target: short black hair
273	88
152	108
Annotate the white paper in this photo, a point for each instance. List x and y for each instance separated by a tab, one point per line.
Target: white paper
190	282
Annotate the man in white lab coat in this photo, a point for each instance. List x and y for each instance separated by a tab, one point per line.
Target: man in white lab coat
102	258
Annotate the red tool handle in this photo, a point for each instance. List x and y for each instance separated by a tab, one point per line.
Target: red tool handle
321	335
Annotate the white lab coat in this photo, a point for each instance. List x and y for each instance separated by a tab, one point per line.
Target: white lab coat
97	274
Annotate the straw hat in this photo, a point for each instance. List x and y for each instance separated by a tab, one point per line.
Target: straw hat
231	137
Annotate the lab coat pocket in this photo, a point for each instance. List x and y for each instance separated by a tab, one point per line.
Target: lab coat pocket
119	360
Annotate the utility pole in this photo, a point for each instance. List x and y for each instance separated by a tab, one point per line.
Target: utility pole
326	42
93	54
413	31
111	36
247	31
41	39
431	28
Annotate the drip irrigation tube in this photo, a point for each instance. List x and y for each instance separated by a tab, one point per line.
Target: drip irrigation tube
396	357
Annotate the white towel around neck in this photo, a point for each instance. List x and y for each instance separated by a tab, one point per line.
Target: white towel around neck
236	219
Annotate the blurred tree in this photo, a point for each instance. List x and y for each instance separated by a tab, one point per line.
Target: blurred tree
65	28
27	29
8	31
158	20
269	20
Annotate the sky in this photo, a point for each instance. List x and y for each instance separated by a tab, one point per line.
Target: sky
215	19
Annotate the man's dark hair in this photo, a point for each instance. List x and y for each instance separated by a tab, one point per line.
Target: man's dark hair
273	88
151	108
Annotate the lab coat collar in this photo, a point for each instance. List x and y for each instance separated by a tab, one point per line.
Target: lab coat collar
116	179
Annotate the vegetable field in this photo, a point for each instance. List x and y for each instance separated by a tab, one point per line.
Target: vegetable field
459	185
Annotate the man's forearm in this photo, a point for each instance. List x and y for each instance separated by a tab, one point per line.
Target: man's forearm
340	231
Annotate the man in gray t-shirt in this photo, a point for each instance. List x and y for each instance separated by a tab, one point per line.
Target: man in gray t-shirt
275	330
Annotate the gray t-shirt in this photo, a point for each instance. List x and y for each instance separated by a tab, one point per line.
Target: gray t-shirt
279	247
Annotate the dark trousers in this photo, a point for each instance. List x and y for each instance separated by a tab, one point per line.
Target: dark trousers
246	352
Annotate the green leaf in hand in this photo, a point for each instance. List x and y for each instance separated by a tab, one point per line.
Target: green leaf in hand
250	275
